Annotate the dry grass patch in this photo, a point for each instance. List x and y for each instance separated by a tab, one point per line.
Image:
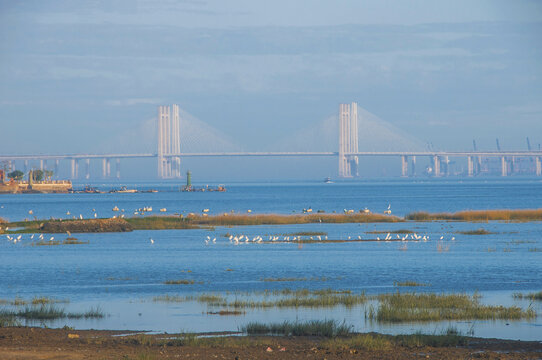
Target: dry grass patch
480	215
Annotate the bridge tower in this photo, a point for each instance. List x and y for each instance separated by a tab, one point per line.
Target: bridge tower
348	139
169	142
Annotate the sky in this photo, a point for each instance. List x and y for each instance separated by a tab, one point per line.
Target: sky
87	77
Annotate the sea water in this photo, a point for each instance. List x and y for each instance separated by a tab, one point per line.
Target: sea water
121	273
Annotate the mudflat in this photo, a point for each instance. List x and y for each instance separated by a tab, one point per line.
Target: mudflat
31	343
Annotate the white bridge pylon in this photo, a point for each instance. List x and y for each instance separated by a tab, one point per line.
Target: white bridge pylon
169	142
348	140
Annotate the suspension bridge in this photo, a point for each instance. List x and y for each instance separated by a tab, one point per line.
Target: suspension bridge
169	155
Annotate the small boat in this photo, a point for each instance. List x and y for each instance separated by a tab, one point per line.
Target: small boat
328	180
124	190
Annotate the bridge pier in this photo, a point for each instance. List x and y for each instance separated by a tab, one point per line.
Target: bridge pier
470	166
75	168
504	167
436	165
404	166
41	164
87	172
25	167
118	168
106	168
538	166
413	165
56	166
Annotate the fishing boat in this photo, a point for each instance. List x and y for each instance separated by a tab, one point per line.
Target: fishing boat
124	190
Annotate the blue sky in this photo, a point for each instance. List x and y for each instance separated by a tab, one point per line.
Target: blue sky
87	76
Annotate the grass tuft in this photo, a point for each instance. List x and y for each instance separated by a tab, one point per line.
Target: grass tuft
326	328
410	307
480	231
179	282
530	296
409	283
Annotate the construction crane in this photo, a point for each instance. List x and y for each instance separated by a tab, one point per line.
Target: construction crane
474	145
528	144
498	145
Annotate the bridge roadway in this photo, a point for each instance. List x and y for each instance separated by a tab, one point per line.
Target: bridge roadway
273	154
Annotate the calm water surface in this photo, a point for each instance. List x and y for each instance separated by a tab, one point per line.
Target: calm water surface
122	272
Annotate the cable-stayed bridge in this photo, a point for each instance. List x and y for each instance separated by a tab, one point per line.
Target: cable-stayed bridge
169	155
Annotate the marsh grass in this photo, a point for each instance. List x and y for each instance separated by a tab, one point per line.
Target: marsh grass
197	221
179	282
169	298
193	340
226	312
160	223
400	231
411	307
318	301
450	337
479	215
519	242
326	328
374	342
409	283
283	298
67	241
293	279
49	312
530	296
479	231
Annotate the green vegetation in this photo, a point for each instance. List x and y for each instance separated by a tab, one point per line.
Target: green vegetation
519	242
294	279
67	241
179	282
16	175
197	221
373	341
479	231
359	342
407	307
274	299
400	231
409	283
451	337
41	300
479	215
327	328
535	249
310	302
226	312
48	312
8	321
530	296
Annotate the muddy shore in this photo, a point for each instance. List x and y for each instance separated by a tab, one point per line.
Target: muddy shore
39	343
